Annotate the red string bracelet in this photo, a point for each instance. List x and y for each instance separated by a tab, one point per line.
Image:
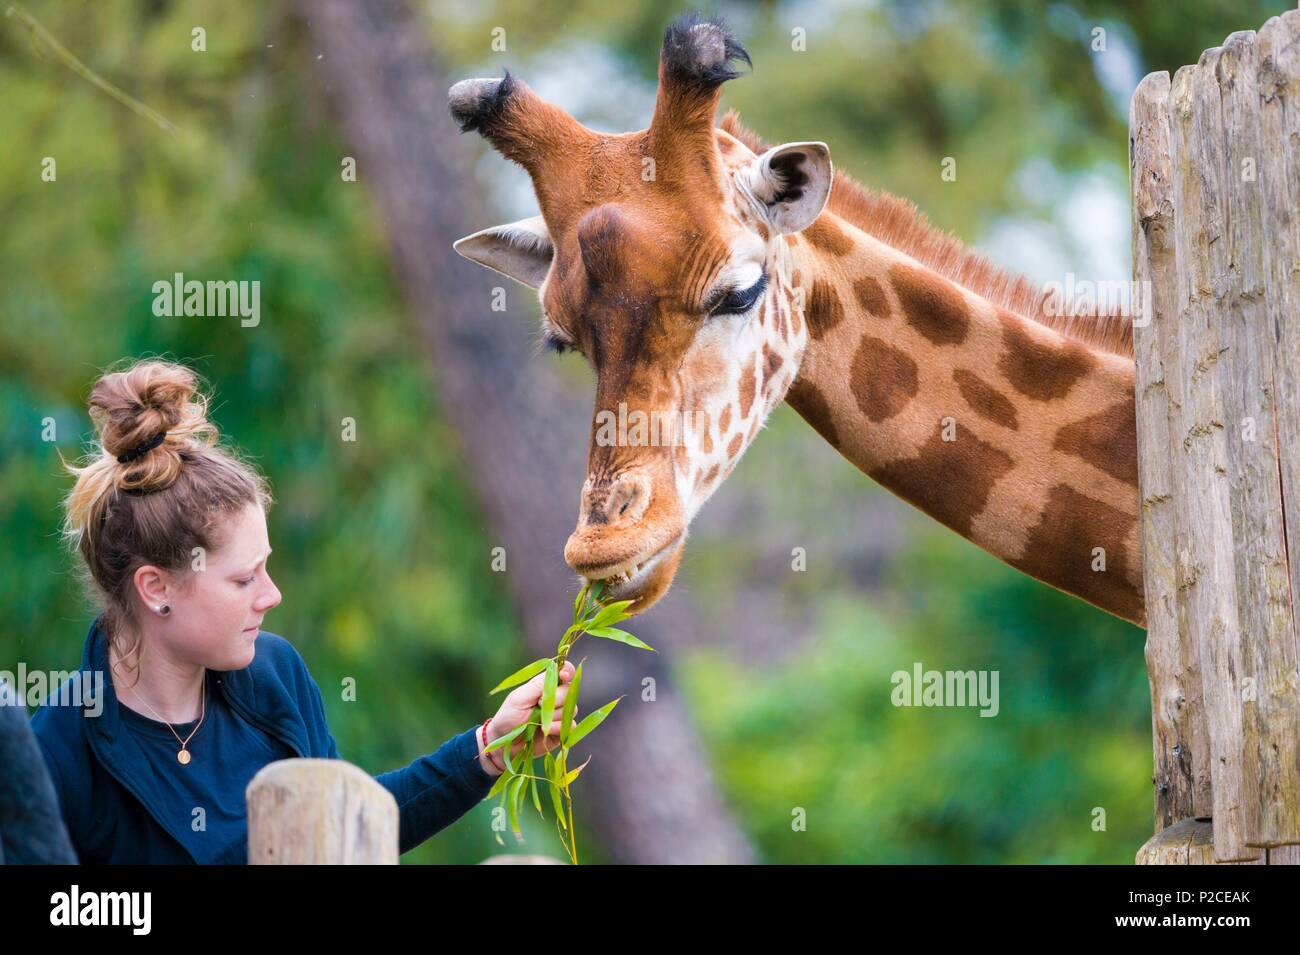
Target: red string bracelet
485	744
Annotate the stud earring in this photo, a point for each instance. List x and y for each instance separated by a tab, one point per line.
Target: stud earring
163	609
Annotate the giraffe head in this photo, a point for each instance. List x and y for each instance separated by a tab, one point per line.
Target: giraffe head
660	257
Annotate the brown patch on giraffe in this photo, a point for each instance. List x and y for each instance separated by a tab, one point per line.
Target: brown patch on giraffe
733	448
871	296
763	231
791	239
795	324
1038	369
1106	440
796	279
806	399
931	304
825	310
724	419
771	363
949	480
683	457
896	222
985	400
707	444
753	428
1060	546
828	237
882	378
747	386
713	473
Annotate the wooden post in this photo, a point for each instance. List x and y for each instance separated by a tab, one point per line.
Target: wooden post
319	812
1215	172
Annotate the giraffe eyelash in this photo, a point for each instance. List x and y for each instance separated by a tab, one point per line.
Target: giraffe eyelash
740	301
556	344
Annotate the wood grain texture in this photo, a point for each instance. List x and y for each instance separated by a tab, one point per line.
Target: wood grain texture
320	812
1215	166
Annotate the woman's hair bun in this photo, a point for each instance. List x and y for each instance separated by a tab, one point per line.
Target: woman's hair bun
162	503
133	406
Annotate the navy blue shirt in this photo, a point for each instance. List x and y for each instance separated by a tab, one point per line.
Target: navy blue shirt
126	799
225	754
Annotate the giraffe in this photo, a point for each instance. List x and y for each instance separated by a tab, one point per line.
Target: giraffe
707	277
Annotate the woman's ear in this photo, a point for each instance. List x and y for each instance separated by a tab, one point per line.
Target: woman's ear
151	585
792	182
521	250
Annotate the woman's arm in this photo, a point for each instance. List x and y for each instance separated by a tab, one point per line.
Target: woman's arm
435	790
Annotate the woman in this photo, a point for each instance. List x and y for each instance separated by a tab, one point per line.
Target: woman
196	696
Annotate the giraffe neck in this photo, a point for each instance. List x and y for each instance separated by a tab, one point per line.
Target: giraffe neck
1019	439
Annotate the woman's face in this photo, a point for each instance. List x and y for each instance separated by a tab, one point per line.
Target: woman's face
218	609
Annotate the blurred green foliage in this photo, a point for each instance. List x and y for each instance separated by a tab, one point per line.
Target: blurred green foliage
381	551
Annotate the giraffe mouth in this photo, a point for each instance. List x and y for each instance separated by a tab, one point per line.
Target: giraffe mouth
643	580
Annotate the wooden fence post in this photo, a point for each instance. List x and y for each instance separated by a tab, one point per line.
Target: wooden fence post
319	812
1215	174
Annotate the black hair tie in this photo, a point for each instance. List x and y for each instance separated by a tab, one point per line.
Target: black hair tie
141	449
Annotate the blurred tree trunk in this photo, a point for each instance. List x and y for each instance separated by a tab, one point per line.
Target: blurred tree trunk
649	796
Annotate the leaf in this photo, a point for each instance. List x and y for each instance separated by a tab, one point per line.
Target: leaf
521	794
591	722
512	805
579	601
532	785
497	786
546	712
522	676
622	636
607	614
510	767
504	740
570	704
570	777
557	800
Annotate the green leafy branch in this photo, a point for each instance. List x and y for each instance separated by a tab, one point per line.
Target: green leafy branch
43	40
520	778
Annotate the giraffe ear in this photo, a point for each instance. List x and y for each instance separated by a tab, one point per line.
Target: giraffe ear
521	250
793	181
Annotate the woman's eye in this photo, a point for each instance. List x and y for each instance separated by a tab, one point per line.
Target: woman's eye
739	301
247	580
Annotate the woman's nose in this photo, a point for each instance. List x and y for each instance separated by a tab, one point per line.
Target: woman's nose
271	598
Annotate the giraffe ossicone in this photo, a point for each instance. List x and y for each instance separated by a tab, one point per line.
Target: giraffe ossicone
706	277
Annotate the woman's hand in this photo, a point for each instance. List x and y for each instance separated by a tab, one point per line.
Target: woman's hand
516	708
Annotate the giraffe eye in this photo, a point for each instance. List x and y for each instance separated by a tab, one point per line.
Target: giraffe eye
739	301
556	344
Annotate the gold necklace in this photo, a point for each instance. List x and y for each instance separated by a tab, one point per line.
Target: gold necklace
182	757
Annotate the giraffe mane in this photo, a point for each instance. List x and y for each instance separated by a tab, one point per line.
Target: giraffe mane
898	223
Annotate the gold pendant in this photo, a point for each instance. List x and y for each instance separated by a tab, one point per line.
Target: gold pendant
183	757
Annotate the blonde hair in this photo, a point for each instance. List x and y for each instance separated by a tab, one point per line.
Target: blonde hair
158	506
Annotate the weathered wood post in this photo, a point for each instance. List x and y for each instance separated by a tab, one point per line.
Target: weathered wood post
319	812
1214	159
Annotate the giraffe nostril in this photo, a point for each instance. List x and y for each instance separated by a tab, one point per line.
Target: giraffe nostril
624	507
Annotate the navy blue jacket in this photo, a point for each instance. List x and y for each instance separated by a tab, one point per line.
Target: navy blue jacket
115	806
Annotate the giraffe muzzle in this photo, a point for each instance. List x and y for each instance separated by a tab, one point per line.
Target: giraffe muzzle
630	534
